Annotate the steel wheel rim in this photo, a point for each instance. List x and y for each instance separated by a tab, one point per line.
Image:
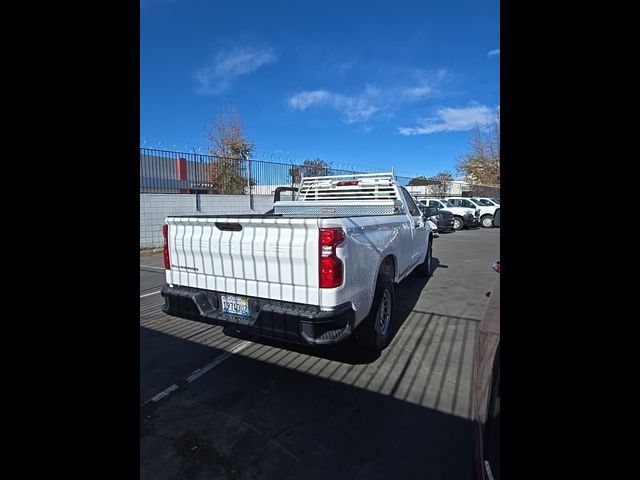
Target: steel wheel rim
384	313
456	224
486	222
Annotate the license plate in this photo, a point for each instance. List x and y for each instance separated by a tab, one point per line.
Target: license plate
235	305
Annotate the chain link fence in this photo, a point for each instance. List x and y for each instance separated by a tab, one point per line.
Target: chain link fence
171	172
163	171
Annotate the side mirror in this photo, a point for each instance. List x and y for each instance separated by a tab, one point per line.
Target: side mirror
429	212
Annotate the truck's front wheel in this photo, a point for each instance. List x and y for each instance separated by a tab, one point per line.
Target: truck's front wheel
487	221
424	268
375	331
458	223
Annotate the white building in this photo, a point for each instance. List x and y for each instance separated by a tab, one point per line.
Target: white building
453	188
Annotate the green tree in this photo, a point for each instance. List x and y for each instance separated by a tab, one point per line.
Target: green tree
231	150
420	181
480	165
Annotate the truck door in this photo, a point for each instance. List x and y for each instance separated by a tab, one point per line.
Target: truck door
418	229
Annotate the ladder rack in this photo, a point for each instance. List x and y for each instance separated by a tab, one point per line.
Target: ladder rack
344	195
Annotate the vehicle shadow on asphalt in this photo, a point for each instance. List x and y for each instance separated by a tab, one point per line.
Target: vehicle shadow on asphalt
252	419
407	294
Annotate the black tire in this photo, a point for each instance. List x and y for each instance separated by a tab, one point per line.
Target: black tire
371	333
424	269
487	221
496	218
459	221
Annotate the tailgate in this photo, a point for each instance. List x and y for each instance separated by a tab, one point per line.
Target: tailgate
274	257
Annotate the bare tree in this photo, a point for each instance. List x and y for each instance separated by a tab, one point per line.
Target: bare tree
310	168
438	184
441	183
232	149
481	164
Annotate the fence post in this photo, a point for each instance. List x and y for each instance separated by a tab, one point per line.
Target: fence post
249	183
196	166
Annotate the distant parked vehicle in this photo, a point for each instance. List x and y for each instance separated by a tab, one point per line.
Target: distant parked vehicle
487	202
486	211
495	200
462	217
430	216
442	219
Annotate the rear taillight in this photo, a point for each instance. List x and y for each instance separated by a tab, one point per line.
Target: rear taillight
330	264
496	266
348	183
165	234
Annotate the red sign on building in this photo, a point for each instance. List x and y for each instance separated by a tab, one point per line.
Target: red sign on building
182	168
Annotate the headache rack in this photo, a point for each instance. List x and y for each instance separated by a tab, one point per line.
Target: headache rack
343	195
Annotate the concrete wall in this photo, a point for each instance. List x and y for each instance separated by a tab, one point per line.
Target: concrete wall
154	208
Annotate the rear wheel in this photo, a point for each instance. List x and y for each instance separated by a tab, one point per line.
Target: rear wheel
375	331
487	221
458	223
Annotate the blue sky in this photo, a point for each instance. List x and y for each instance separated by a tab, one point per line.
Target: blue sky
376	84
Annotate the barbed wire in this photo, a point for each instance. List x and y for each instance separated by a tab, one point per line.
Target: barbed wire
282	157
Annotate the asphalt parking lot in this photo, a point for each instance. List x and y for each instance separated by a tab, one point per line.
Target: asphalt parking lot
249	408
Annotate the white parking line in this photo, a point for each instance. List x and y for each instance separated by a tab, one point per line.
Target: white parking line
164	393
154	268
149	294
201	371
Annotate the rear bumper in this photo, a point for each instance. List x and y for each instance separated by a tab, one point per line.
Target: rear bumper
291	322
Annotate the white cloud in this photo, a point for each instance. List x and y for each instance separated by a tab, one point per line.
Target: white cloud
428	85
303	100
357	108
372	100
417	92
362	106
451	120
342	67
217	77
493	53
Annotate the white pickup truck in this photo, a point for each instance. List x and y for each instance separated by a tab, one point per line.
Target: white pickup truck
316	269
486	211
463	217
